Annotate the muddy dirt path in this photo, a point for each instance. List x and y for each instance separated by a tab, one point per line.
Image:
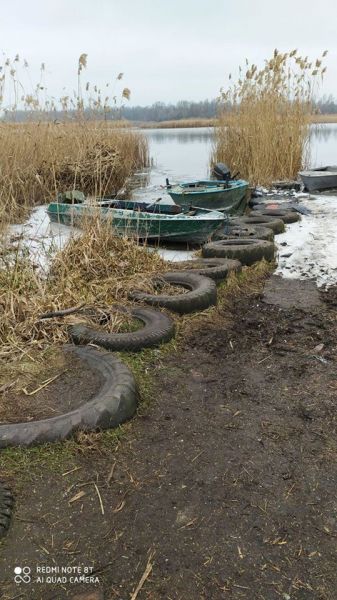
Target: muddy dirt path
224	488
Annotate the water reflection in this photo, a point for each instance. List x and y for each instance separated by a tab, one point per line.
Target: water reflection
179	154
323	144
180	136
323	132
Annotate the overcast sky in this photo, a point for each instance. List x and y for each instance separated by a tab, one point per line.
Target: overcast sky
168	49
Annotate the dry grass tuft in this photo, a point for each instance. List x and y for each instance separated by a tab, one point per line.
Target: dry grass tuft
96	269
264	120
98	254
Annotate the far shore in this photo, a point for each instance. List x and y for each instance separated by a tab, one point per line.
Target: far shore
189	123
171	124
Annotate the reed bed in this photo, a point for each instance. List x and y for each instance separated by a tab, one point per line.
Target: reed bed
265	116
178	123
37	160
327	118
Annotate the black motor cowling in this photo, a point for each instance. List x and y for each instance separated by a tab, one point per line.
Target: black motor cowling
221	172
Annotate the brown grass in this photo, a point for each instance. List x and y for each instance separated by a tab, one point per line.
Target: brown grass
37	160
179	123
317	118
264	122
96	269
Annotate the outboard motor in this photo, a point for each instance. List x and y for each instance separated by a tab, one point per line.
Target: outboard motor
71	197
221	172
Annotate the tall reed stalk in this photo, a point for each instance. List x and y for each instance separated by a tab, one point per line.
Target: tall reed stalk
264	118
42	155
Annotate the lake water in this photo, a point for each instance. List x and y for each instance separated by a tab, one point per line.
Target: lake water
180	154
185	153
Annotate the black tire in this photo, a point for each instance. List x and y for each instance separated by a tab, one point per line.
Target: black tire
6	507
246	250
277	225
215	268
245	231
115	402
254	201
159	328
202	293
287	216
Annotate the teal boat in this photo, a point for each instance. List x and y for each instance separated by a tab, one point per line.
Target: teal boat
194	226
227	196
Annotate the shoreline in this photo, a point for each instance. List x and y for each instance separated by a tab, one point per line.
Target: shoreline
194	123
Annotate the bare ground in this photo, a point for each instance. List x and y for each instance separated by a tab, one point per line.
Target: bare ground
53	391
225	487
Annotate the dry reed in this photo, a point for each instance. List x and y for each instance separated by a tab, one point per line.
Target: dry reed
37	160
324	118
264	118
43	155
179	123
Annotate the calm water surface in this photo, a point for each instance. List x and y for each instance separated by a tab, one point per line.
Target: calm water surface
185	153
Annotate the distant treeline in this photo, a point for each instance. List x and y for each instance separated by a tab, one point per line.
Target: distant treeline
327	105
157	112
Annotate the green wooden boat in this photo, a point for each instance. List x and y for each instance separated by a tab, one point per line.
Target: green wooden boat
227	196
193	226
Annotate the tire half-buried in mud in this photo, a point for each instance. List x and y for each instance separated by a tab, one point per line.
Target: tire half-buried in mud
115	402
6	507
158	329
246	250
215	268
258	232
201	293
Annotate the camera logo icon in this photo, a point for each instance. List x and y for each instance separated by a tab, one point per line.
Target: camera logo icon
22	575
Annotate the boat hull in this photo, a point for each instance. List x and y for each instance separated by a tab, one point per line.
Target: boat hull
315	181
141	225
231	200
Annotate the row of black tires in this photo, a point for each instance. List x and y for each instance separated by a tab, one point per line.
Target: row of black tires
238	246
159	327
199	281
